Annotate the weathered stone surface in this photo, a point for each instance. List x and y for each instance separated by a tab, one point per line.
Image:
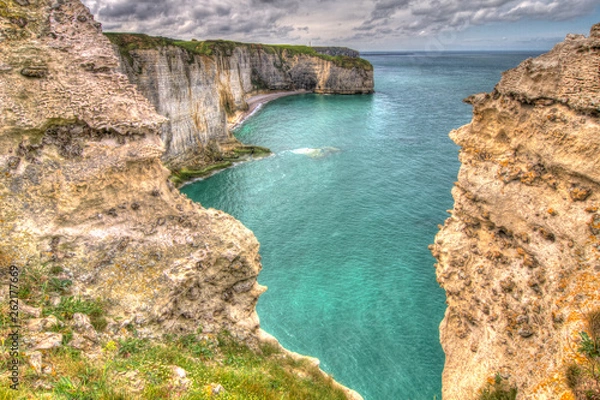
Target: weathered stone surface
80	173
50	46
523	227
35	72
82	325
216	389
179	379
37	325
80	342
31	311
45	341
34	359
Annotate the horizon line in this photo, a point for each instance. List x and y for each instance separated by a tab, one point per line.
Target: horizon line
451	51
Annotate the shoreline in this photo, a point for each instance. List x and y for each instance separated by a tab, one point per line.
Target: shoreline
257	101
254	104
266	337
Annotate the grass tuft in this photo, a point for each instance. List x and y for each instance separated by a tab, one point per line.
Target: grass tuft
583	377
185	174
499	390
71	305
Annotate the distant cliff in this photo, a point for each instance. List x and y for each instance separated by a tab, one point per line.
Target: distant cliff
337	51
520	256
199	86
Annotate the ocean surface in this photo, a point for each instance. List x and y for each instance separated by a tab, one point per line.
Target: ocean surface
345	209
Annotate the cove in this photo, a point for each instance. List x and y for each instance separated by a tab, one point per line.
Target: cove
345	209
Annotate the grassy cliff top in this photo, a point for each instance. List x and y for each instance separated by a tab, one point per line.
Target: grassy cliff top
134	41
94	357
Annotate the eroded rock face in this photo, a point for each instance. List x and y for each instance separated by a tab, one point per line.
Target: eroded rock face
337	51
82	186
199	93
519	257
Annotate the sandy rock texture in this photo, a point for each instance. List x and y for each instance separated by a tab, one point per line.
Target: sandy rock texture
519	257
82	186
199	92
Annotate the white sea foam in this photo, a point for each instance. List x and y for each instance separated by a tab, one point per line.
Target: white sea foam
304	150
316	152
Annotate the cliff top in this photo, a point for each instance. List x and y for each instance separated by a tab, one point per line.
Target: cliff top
567	74
36	42
518	258
133	41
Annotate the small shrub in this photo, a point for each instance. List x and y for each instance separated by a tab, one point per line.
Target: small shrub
60	285
33	283
499	390
199	348
573	376
593	326
268	349
131	346
588	346
584	378
56	269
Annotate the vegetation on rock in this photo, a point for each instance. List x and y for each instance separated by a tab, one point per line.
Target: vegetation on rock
120	364
240	153
583	376
133	41
498	390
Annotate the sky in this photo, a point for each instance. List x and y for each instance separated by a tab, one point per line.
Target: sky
376	25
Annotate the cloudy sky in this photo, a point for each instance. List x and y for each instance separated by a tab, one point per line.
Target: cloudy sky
361	24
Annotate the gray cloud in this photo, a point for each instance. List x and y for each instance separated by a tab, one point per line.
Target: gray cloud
439	15
336	21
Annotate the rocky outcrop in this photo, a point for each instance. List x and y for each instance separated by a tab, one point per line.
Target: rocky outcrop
83	189
337	51
520	256
200	86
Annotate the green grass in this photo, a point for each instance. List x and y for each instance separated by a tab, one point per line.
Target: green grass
71	305
255	150
185	174
241	153
126	42
131	367
340	61
244	373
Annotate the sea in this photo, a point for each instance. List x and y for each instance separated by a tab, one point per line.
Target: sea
344	210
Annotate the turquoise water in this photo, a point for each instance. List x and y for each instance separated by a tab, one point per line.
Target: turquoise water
344	227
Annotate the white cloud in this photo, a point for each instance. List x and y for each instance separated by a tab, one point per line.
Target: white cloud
333	21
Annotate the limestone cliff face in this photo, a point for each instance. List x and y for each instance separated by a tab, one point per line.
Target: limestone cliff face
199	86
519	257
83	189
